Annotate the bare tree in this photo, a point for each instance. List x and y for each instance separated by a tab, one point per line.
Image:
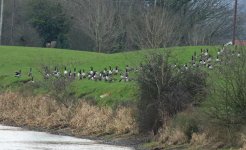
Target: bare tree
155	28
98	20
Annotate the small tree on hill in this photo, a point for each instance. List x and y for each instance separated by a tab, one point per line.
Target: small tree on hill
165	91
48	18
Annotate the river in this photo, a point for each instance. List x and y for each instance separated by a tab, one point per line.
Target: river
13	138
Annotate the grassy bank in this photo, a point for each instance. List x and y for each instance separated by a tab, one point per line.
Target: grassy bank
83	120
15	58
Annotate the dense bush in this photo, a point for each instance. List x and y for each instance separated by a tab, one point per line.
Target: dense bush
165	91
227	102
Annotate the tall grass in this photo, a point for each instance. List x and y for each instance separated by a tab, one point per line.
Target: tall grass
81	119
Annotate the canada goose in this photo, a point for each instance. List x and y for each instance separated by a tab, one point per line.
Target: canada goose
30	72
124	77
46	75
186	67
206	52
209	59
193	60
74	72
238	54
217	59
18	73
55	71
219	52
80	75
105	70
32	80
65	71
57	74
201	51
96	76
91	71
116	70
110	70
108	78
174	65
70	74
210	66
194	64
83	74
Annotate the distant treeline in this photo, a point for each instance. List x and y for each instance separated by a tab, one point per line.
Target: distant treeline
117	25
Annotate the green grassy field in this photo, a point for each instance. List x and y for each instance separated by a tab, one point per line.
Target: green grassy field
15	58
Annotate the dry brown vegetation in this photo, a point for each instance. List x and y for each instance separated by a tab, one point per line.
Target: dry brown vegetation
81	119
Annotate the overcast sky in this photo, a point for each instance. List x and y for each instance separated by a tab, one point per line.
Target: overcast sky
242	5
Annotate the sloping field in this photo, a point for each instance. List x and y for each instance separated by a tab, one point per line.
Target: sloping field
13	59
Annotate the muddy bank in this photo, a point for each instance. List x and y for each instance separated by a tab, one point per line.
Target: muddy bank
42	113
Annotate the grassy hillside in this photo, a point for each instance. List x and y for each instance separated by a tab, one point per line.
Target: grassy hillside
15	58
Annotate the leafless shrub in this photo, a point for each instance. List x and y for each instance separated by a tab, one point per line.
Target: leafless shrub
58	85
165	92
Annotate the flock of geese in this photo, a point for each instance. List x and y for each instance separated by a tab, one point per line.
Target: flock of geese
109	74
206	60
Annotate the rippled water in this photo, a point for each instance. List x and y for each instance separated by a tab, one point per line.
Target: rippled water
12	138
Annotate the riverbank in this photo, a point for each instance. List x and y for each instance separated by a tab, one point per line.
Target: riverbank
82	120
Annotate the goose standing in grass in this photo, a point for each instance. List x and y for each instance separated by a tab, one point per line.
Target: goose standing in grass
18	74
65	71
91	72
219	52
209	59
110	72
80	75
46	73
32	80
124	77
116	70
70	74
238	54
56	73
206	52
186	67
74	73
210	66
105	70
217	59
83	74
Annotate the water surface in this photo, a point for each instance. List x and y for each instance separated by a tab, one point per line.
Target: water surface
13	138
